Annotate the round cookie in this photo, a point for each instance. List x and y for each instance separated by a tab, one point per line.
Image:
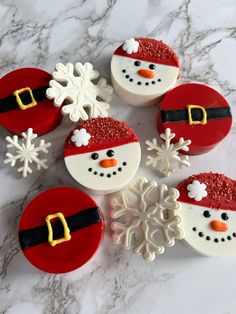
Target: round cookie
24	104
102	154
66	250
143	70
209	213
195	111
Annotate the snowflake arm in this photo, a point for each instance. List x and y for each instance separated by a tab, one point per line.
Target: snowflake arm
123	233
104	91
58	92
122	207
26	152
172	230
86	71
147	246
168	152
84	98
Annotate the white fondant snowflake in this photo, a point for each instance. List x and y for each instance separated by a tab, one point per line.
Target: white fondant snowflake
167	153
148	224
26	152
130	46
197	190
74	84
80	137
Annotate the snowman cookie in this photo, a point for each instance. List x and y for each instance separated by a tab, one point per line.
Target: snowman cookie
195	111
60	230
209	213
143	70
23	103
102	154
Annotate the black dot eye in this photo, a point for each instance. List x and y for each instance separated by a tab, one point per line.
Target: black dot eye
224	216
206	214
152	66
110	153
137	63
95	156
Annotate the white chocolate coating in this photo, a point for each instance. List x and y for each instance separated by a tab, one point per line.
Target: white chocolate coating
193	218
141	95
78	166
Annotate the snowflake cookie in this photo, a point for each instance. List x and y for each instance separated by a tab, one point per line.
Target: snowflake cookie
148	223
26	152
167	153
84	98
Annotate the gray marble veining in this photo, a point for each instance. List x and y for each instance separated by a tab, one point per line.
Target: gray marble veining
41	33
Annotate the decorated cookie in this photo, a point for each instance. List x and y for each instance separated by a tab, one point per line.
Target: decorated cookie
25	152
146	218
85	98
167	154
102	154
60	230
142	70
209	213
23	103
195	111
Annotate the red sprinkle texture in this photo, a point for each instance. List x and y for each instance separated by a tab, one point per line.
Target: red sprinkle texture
221	191
152	50
105	133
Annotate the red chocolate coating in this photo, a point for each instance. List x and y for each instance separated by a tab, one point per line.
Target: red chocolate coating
105	133
152	50
203	137
43	117
221	191
69	255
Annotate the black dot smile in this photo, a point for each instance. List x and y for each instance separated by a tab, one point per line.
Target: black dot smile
214	239
110	174
131	79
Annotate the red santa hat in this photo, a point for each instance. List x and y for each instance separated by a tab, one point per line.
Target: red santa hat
150	50
220	191
102	133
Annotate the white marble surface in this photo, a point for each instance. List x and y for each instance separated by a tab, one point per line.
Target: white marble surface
41	33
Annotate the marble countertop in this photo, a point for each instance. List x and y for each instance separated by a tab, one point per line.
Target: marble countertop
41	33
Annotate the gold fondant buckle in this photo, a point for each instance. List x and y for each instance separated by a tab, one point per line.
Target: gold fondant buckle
67	235
190	119
17	93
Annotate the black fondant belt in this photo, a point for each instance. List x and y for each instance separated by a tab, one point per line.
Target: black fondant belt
58	228
195	114
23	98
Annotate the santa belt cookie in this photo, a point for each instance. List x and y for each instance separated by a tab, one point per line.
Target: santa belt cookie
195	114
23	98
195	111
58	231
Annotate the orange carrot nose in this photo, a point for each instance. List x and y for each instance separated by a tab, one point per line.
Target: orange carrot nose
146	73
218	226
108	163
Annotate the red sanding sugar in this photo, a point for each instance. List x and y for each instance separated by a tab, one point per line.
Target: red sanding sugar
221	190
104	132
154	48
